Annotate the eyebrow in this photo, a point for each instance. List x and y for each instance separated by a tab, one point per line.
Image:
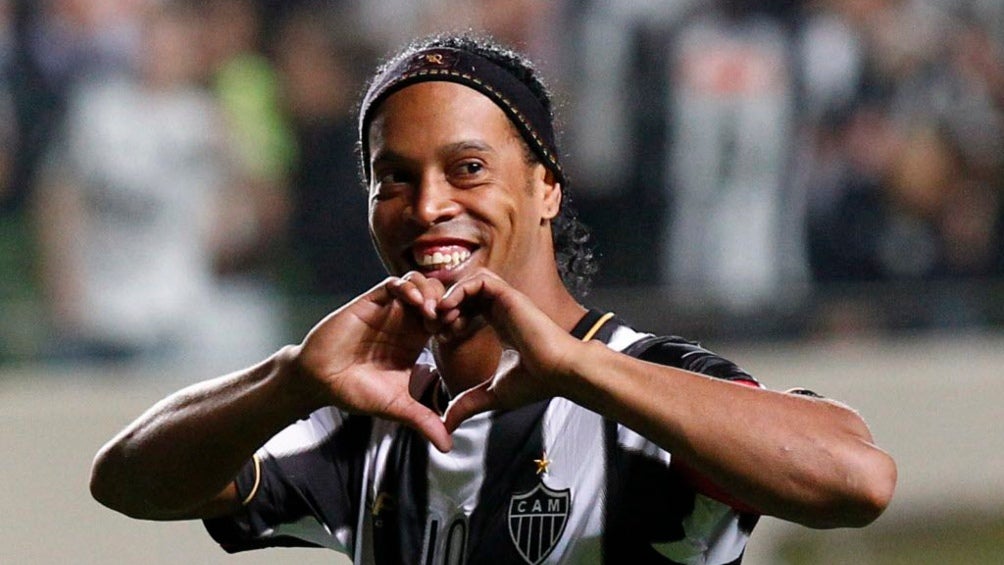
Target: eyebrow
383	156
388	156
467	145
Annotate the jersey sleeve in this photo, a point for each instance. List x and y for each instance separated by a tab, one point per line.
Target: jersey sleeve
677	352
300	489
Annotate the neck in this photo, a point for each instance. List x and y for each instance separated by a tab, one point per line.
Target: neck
468	362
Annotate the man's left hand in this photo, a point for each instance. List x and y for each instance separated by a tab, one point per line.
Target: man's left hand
539	352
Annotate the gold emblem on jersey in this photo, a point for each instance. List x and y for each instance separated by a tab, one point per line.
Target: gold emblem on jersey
384	501
542	464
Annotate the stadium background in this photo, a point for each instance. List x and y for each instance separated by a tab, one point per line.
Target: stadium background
851	243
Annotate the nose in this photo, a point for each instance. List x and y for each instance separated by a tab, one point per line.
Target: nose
433	201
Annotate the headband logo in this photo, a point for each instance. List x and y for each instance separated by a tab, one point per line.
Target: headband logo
432	60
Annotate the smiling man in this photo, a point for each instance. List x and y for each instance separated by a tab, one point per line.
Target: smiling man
469	408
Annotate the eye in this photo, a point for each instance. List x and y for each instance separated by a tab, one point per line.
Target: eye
472	168
388	183
469	170
390	177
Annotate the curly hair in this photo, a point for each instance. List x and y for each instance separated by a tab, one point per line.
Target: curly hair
573	249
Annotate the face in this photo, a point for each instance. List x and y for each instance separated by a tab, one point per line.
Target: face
451	189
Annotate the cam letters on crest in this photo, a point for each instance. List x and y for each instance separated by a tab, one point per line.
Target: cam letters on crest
537	519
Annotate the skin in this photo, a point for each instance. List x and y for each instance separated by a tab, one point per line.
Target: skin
449	174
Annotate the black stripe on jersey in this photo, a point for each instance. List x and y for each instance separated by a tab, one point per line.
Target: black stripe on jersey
402	504
514	441
295	486
677	352
650	508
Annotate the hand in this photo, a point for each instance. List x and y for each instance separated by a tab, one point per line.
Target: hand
539	355
360	357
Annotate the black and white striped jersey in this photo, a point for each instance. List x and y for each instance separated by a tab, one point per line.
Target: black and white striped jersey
548	483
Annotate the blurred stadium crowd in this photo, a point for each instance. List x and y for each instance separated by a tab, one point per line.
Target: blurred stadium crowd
178	177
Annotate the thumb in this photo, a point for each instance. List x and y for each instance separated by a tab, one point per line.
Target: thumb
470	402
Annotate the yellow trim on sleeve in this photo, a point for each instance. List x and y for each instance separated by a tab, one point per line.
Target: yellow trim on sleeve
596	327
257	480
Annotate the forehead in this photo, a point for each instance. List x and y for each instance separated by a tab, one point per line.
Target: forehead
437	112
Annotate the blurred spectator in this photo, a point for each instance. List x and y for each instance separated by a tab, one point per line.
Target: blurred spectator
46	47
59	43
137	203
323	63
607	53
733	232
246	87
611	90
246	84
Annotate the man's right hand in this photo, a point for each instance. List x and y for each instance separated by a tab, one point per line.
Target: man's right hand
179	459
360	357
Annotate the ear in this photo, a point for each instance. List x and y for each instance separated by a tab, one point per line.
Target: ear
551	201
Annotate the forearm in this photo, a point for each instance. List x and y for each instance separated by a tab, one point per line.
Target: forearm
802	459
178	458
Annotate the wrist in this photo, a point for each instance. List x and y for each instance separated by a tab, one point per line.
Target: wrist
574	380
299	391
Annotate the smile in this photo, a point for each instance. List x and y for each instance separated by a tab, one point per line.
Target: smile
437	260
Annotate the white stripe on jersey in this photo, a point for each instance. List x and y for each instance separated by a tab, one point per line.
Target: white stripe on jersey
623	337
304	435
573	438
455	480
462	469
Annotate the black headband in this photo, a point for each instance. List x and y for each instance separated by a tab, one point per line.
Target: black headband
509	93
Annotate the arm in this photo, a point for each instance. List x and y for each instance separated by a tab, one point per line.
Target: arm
179	459
801	459
807	460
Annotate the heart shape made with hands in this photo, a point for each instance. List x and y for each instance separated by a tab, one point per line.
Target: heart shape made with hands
361	357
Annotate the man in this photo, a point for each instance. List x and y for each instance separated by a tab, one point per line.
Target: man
468	408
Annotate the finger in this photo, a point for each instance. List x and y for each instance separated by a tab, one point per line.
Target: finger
478	291
405	290
460	304
432	427
425	421
470	402
462	327
432	291
460	292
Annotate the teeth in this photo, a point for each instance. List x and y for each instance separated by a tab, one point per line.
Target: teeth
439	260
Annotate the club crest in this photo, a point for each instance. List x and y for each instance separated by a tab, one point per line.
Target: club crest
537	519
